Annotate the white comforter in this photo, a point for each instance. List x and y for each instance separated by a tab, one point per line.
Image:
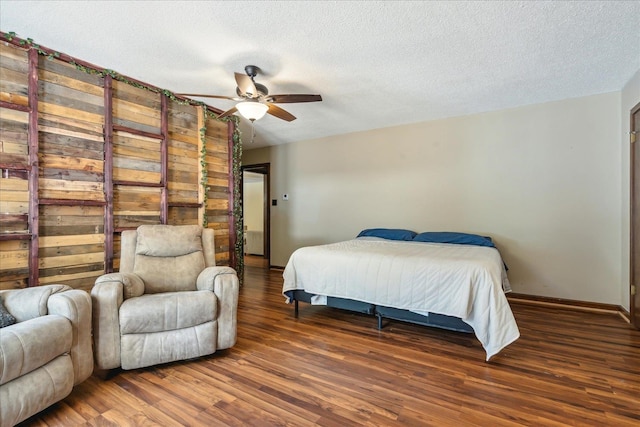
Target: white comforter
464	281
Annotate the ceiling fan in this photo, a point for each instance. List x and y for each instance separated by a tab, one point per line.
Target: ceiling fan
254	99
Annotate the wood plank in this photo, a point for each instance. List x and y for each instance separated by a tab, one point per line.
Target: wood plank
12	94
120	211
64	145
63	68
183	136
182	167
46	89
184	155
13	146
17	283
14	52
71	195
136	112
191	144
61	261
9	115
94	268
58	184
183	216
94	211
67	230
70	82
141	141
60	111
218	182
69	126
184	176
136	152
72	175
45	280
10	260
52	221
131	221
18	77
12	184
14	196
12	207
134	95
13	245
185	186
68	162
134	175
82	239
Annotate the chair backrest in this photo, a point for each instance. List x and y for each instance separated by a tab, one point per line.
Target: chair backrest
29	303
167	258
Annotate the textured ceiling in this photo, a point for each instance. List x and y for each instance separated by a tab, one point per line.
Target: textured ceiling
376	64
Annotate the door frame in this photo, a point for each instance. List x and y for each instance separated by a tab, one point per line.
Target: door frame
634	221
265	170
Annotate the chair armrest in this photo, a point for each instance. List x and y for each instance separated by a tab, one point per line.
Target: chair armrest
223	282
133	286
75	305
107	295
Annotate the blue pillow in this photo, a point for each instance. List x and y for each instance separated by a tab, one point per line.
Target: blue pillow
388	233
456	238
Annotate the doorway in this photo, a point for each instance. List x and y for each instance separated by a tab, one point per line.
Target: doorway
634	300
256	212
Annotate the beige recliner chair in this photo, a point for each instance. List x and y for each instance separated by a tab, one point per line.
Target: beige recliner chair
46	352
168	302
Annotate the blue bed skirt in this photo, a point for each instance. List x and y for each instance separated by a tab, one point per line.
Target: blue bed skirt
382	312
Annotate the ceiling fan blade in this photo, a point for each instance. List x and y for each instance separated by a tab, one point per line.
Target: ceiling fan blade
283	99
280	113
246	85
228	113
202	95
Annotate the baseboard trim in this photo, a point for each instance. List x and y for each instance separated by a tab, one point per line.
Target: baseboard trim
568	304
625	315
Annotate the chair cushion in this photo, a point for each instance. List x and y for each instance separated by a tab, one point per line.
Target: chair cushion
167	311
169	274
169	258
28	345
168	240
35	391
140	350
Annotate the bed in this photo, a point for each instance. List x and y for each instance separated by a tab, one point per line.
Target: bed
454	281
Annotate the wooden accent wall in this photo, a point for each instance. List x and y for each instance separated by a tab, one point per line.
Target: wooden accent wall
14	167
84	156
71	175
218	185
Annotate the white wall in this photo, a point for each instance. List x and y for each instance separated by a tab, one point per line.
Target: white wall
542	180
253	205
630	97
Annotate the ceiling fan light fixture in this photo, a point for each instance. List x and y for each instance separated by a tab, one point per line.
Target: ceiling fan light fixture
252	110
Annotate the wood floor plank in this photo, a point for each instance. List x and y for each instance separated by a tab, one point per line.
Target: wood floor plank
333	368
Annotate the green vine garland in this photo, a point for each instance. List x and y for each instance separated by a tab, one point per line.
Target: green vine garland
236	137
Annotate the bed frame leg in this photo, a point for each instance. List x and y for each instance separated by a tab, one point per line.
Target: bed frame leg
295	310
379	321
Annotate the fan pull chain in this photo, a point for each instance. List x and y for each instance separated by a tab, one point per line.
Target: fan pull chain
253	132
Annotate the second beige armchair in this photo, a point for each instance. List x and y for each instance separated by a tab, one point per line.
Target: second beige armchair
46	352
169	301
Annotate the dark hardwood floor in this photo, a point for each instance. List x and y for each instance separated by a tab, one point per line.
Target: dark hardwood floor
334	368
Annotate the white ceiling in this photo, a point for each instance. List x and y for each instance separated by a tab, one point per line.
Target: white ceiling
375	63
